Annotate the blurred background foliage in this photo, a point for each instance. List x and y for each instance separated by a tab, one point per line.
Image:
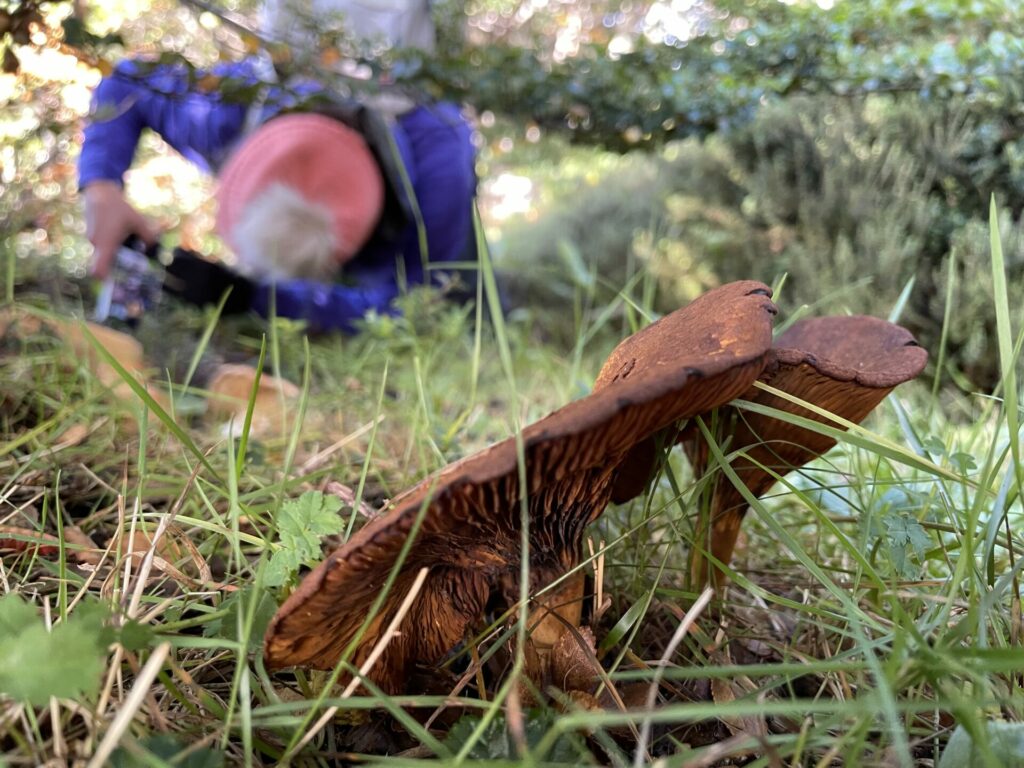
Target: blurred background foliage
677	144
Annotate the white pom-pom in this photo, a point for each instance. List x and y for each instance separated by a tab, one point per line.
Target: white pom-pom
281	235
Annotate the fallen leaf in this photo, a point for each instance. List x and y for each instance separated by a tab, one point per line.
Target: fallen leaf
725	692
82	548
584	700
21	539
140	541
72	436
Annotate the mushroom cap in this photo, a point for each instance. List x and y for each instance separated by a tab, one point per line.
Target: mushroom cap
741	329
844	365
869	351
691	361
709	335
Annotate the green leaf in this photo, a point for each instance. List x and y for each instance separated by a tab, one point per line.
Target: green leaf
165	747
631	617
301	524
15	615
905	535
964	50
135	636
282	565
497	744
78	35
1005	744
964	462
66	662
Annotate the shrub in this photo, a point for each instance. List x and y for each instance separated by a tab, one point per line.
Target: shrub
970	342
850	199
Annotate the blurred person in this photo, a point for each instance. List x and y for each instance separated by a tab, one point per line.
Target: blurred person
330	207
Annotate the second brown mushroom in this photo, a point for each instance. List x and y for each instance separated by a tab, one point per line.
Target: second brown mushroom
843	365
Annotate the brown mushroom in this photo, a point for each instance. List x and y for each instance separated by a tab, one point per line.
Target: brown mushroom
24	324
843	365
230	389
687	363
19	323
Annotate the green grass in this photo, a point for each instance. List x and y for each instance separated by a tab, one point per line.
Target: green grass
874	603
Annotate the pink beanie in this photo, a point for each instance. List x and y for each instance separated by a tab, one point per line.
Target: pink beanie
299	198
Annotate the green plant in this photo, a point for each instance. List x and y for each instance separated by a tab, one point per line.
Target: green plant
41	662
300	526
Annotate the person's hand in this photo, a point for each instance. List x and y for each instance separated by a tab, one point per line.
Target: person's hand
109	220
193	279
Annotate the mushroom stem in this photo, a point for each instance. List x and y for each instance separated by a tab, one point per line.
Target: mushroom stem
721	542
555	611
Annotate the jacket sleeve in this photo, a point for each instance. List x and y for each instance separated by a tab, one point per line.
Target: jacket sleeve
202	126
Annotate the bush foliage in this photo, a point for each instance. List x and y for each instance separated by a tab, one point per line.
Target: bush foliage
852	148
850	199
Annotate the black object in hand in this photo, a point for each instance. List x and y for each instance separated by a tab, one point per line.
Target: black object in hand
133	285
195	280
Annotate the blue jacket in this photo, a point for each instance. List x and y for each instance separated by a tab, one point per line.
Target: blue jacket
434	143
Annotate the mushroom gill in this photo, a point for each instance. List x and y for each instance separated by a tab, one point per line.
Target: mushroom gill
468	514
843	365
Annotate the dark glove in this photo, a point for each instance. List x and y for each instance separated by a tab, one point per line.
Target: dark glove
195	280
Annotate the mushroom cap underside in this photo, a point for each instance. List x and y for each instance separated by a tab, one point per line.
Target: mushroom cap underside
470	509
